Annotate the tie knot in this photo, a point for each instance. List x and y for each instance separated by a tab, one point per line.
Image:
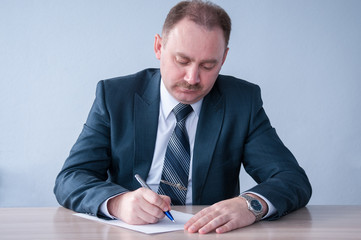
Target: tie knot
182	111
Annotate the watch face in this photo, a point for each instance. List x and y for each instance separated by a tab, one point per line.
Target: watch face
256	205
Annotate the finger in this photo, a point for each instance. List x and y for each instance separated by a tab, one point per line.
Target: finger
141	209
200	221
137	220
153	204
214	223
189	226
195	218
157	200
146	218
229	226
167	200
190	222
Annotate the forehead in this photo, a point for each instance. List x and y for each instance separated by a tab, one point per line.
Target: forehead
192	40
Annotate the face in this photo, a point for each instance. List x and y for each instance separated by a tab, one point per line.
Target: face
190	60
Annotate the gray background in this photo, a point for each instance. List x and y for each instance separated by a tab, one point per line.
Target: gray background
305	55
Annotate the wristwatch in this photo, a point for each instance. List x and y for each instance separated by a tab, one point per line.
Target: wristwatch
254	206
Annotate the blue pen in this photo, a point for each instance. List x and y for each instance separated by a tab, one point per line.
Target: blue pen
143	184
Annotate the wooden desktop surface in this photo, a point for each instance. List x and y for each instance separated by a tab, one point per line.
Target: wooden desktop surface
312	222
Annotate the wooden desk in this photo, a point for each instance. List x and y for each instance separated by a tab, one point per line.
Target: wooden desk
312	222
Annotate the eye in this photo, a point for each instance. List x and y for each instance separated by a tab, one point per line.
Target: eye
208	66
182	61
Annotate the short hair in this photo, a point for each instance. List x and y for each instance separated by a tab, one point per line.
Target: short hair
206	14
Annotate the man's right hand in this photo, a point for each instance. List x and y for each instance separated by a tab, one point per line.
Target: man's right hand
142	206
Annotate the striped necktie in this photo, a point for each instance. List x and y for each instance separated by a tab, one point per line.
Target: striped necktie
174	181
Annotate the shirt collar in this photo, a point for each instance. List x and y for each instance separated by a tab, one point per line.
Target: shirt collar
168	102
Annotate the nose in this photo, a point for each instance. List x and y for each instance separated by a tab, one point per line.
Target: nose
192	75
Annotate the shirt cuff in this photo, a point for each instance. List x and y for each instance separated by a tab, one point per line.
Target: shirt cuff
271	209
104	207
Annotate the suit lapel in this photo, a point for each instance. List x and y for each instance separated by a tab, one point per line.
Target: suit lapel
208	129
146	114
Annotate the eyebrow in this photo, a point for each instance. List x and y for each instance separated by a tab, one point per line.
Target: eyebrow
182	55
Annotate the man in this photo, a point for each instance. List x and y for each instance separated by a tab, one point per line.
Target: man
131	122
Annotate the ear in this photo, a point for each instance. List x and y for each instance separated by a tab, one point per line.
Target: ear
225	55
157	46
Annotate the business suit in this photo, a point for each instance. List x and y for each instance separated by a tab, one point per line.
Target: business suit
119	136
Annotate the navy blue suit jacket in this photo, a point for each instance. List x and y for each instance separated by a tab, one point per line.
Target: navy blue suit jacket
119	136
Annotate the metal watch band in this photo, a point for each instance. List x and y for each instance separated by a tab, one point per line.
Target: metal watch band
257	214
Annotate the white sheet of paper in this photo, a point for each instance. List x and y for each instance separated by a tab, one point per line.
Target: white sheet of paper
164	225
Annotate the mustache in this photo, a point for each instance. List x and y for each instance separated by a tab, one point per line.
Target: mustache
189	86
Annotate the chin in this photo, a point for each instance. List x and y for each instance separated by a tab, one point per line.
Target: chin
189	101
187	97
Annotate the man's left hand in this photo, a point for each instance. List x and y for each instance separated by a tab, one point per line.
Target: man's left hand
222	217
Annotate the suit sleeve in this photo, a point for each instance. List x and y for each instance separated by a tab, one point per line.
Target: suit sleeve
280	178
82	183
